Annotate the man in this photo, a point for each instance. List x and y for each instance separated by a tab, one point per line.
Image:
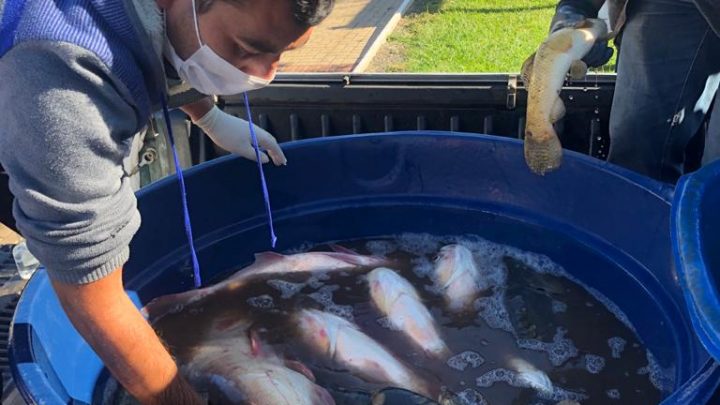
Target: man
667	78
80	79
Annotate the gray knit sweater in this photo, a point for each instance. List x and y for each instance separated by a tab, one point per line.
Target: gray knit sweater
65	139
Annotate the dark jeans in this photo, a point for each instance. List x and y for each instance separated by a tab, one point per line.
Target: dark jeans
6	200
662	113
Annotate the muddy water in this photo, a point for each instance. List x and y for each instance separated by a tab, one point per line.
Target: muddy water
529	309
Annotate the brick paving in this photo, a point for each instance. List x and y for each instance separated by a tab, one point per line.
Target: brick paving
340	42
7	236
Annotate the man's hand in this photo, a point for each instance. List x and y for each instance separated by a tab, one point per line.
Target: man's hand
233	134
128	346
568	16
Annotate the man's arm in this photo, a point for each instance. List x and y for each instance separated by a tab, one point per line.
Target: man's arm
198	109
67	126
129	347
569	12
590	8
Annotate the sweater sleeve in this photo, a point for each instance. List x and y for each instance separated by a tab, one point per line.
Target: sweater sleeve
67	128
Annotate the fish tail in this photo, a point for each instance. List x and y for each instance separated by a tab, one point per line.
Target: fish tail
543	151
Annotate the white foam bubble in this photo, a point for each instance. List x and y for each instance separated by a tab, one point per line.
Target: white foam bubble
470	396
385	323
324	295
465	359
617	345
660	379
419	243
560	350
263	301
433	289
594	364
489	379
609	305
561	394
558	307
343	311
381	247
538	262
286	288
492	310
422	266
613	393
317	280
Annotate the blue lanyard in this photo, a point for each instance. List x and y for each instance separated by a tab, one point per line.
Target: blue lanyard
263	183
183	189
183	196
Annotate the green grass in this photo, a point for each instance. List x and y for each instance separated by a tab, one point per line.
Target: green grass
468	35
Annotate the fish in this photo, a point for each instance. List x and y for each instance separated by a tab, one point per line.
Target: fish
232	365
397	299
457	276
544	74
344	344
266	264
529	297
528	375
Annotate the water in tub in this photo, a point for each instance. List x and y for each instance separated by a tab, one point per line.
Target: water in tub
458	320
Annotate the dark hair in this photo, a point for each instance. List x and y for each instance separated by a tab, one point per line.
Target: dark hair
312	12
307	13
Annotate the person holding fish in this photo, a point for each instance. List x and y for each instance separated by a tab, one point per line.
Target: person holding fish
664	120
82	78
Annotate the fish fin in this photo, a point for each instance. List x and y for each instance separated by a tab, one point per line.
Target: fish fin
342	249
324	396
529	374
300	368
527	69
578	70
256	346
558	111
262	261
170	304
267	257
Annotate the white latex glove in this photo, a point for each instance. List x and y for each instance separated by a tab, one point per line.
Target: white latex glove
233	134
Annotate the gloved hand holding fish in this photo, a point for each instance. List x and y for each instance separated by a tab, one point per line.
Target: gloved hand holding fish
326	327
544	75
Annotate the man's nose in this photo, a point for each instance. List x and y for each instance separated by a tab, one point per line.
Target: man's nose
265	66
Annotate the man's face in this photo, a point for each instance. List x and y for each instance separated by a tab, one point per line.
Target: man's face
251	34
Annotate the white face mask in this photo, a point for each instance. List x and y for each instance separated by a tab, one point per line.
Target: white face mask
209	73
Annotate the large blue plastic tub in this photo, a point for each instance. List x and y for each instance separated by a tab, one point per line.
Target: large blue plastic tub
696	241
606	226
